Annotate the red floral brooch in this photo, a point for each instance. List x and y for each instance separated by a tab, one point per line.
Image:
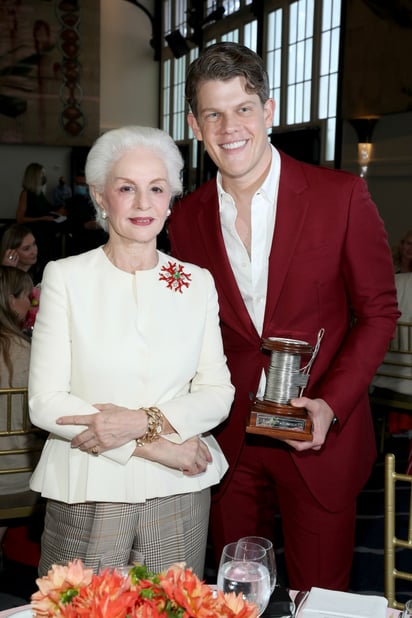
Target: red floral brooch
175	277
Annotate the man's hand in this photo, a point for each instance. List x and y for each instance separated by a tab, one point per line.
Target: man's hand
321	415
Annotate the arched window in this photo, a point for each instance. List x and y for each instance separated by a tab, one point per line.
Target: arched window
300	43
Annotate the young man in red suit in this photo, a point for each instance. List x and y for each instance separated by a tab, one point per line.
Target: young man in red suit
294	249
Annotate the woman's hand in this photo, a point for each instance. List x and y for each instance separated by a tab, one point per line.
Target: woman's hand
114	426
191	457
109	428
10	258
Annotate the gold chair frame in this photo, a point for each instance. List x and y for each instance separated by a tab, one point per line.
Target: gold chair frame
26	503
391	542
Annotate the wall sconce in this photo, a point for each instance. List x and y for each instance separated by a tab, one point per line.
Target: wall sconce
364	129
364	157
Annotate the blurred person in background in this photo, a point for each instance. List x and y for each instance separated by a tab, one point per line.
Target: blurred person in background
33	206
15	289
84	230
402	254
36	212
61	194
18	248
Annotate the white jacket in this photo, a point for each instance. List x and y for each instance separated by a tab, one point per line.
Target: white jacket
103	335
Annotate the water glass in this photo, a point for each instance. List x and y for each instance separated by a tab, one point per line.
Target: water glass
124	570
243	569
271	565
112	563
407	612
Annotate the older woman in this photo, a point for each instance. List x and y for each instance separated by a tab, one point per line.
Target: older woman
129	376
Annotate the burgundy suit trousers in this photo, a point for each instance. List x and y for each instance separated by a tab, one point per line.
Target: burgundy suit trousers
318	543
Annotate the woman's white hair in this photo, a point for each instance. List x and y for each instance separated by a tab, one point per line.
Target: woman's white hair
110	146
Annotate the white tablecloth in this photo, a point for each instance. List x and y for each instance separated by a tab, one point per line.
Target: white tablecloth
390	613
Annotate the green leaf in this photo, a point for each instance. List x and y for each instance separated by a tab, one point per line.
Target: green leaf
68	595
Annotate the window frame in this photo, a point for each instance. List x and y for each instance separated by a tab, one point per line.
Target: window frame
241	21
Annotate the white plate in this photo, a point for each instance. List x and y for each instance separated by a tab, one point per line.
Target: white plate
22	613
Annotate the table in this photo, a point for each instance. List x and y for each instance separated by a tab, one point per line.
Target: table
390	613
10	612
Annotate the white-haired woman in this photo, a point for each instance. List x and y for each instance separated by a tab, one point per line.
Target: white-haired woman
128	375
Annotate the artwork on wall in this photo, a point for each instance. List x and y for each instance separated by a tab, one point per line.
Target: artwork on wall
49	71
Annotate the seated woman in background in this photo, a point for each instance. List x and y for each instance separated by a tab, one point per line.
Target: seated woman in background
15	290
19	248
402	254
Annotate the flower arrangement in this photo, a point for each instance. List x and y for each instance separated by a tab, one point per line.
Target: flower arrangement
73	591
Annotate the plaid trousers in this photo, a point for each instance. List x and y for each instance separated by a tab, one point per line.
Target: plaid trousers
157	533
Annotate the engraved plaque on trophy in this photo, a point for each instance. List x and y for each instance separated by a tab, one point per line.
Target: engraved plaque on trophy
287	377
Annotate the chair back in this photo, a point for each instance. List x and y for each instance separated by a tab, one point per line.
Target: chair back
392	384
20	447
395	373
391	542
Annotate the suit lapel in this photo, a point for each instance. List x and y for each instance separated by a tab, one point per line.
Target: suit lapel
232	307
290	219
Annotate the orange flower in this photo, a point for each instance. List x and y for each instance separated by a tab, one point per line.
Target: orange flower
186	590
107	595
240	607
74	592
60	585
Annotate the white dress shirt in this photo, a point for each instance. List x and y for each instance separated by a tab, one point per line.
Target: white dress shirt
251	273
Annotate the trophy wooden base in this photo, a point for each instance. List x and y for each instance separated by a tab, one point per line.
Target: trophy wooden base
282	422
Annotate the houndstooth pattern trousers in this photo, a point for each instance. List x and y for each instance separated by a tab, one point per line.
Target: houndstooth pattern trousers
157	532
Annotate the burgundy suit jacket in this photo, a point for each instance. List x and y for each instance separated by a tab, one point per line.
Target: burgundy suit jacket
330	267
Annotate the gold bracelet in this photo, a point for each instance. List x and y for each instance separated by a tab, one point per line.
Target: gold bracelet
154	426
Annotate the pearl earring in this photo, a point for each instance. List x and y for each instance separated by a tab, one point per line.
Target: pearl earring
168	213
104	214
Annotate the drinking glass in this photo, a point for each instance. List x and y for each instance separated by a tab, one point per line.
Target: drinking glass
243	569
124	570
407	612
111	562
268	545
